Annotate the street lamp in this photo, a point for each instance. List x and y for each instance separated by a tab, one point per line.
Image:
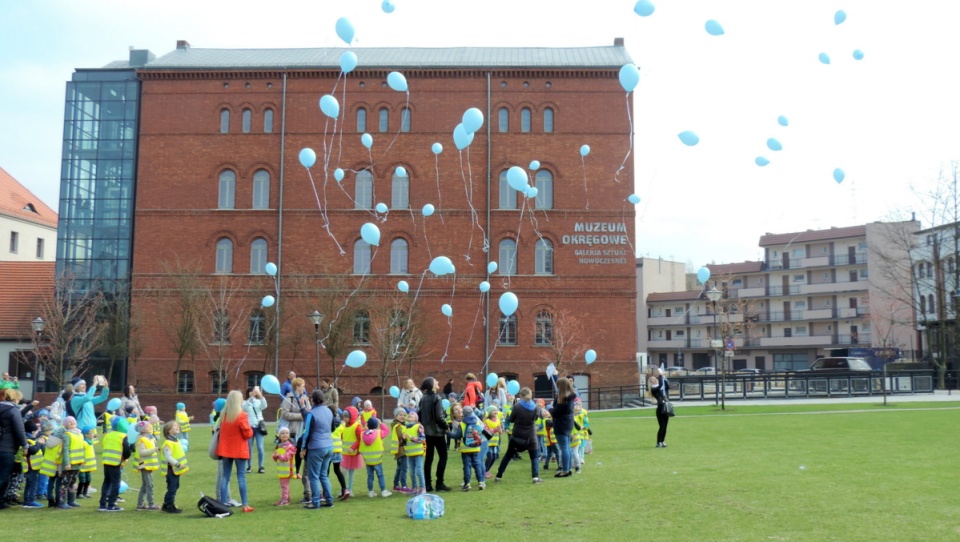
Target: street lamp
38	325
714	295
316	317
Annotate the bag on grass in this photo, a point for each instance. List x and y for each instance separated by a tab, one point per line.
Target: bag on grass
425	506
213	508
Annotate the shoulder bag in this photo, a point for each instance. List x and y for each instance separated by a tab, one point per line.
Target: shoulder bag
214	443
666	407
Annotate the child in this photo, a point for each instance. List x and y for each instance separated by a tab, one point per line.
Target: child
456	416
184	420
116	450
284	455
493	427
551	445
368	412
52	448
148	461
337	436
414	446
33	458
352	461
71	459
541	426
470	430
396	448
370	445
157	425
89	462
176	462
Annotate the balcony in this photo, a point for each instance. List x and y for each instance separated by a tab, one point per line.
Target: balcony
752	292
847	313
833	287
666	321
806	340
664	344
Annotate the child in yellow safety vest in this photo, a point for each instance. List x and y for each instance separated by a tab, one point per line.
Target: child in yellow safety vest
32	459
176	462
352	461
71	459
89	462
396	448
370	446
116	450
414	443
577	437
148	462
184	420
494	427
470	431
284	456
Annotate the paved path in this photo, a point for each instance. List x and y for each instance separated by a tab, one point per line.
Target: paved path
937	396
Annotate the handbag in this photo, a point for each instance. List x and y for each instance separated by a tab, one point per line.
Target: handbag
214	443
262	427
666	407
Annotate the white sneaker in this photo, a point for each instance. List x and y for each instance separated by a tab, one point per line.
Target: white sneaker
481	486
372	494
233	504
385	493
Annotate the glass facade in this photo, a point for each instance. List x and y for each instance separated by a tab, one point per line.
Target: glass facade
98	178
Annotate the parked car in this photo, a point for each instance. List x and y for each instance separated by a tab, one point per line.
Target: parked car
671	372
841	364
748	371
705	371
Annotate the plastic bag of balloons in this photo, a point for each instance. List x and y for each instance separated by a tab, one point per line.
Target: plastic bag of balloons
426	506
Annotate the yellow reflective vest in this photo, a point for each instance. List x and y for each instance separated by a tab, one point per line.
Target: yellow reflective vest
113	448
464	449
33	461
349	437
75	445
372	453
285	468
52	454
337	436
411	448
150	460
184	420
89	457
176	450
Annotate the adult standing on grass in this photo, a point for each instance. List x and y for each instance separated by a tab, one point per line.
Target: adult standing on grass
318	423
523	419
12	437
82	403
562	413
254	407
659	386
409	393
287	387
331	397
434	421
130	399
235	432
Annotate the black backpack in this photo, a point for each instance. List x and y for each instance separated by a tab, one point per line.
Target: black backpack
213	508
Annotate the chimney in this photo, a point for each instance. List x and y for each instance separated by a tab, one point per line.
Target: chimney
140	57
618	42
183	44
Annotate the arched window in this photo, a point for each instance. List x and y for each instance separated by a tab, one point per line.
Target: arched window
261	189
544	257
951	265
361	120
224	121
548	120
525	119
364	190
227	189
930	306
930	269
224	256
257	330
400	191
405	119
219	382
504	117
920	269
252	379
258	256
398	256
923	304
508	257
247	119
184	381
268	121
507	334
361	257
544	183
384	119
543	334
361	327
508	196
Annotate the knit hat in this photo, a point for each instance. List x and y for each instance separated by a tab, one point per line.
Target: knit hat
219	404
69	419
144	427
181	406
373	423
86	429
412	417
46	426
467	410
150	410
491	410
43	412
76	380
399	411
367	404
114	422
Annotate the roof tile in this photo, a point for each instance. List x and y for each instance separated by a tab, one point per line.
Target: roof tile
19	202
22	290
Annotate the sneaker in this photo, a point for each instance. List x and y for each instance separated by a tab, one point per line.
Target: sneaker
142	508
114	508
233	504
578	470
311	506
371	494
92	490
537	480
465	487
101	509
73	505
305	501
481	486
33	504
398	489
248	509
170	509
497	480
153	508
385	493
429	489
260	471
443	487
346	495
121	500
326	504
663	444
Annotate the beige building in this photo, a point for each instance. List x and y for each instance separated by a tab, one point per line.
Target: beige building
655	275
28	227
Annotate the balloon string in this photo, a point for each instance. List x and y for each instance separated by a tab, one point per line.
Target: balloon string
450	319
616	176
624	220
586	195
426	239
323	210
436	167
475	318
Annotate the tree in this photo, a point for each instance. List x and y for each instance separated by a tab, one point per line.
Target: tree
115	315
397	334
562	333
223	316
179	296
73	330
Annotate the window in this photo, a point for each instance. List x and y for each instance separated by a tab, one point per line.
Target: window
398	256
525	119
39	249
737	283
930	269
364	190
679	333
864	273
862	245
503	115
920	273
224	256
953	301
261	189
361	120
224	121
14	242
405	119
799	304
184	381
228	189
798	278
218	382
544	328
221	327
508	257
548	120
544	257
252	379
361	327
923	305
929	240
930	306
951	265
544	181
400	191
798	253
246	119
257	329
507	334
384	119
800	331
268	121
258	256
508	196
361	257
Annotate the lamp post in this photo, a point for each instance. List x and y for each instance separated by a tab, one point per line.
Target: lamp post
316	317
714	295
38	324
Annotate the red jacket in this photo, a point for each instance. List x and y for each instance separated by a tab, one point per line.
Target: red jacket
473	393
234	436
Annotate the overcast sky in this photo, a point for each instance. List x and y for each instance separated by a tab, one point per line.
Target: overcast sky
889	120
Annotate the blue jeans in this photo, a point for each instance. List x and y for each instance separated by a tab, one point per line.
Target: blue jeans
400	478
563	442
378	470
228	463
173	485
415	466
474	461
222	497
30	488
259	438
318	467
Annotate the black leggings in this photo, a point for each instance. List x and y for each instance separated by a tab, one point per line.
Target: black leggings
662	420
339	474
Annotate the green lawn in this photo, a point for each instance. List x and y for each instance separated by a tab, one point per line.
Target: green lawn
804	472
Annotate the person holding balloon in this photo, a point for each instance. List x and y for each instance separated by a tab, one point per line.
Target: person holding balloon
254	406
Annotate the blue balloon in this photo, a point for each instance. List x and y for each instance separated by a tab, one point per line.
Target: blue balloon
761	161
370	233
461	137
338	174
508	303
348	61
839	16
857	54
484	286
689	138
388	7
113	404
535	165
268	301
782	121
517	178
633	198
441	265
400	171
472	120
447	310
491	268
382	208
397	81
437	148
531	192
428	209
345	30
123	487
403	286
219	404
492	380
629	77
356	359
513	387
330	106
590	356
445	403
713	28
839	175
703	275
367	140
394	392
824	58
271	269
270	384
774	145
584	150
307	157
132	434
643	8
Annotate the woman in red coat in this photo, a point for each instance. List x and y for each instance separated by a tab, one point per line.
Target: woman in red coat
235	431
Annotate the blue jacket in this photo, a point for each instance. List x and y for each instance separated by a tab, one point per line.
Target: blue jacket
82	406
317	423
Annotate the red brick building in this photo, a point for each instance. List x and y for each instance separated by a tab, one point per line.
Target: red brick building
220	191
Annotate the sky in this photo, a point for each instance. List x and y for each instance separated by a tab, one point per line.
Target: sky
888	121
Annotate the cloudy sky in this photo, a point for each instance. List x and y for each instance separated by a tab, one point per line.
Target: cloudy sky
888	121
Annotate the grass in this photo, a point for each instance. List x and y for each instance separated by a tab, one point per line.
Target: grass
792	473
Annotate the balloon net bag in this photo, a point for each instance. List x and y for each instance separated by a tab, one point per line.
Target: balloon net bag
425	506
